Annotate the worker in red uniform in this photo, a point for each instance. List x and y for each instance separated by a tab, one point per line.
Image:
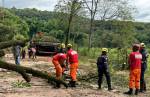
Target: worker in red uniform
58	61
72	59
135	70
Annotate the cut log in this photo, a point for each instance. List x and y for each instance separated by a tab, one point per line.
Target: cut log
23	70
16	68
36	73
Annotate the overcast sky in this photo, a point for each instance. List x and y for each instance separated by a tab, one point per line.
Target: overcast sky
143	6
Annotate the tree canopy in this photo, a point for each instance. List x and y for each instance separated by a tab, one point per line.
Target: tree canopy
110	33
11	25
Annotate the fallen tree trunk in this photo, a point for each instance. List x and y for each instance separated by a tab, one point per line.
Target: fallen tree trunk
16	68
23	70
7	44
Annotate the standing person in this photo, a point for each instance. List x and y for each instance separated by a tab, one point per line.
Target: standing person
23	52
72	59
16	52
102	65
58	61
135	70
29	52
33	49
143	67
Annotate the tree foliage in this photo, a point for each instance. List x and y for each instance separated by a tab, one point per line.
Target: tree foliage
108	33
11	25
71	8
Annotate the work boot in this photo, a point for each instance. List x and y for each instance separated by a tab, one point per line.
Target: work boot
109	89
144	88
99	87
136	91
109	86
57	85
129	92
72	83
99	83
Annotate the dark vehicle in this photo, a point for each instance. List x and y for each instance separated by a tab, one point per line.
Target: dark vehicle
46	48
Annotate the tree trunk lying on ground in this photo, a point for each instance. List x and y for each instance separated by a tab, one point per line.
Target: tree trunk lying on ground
8	44
23	70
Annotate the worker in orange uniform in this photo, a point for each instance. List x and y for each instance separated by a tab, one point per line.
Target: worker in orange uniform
58	61
135	70
72	59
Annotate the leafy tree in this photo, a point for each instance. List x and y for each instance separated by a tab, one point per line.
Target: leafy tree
108	33
72	8
11	25
92	6
107	10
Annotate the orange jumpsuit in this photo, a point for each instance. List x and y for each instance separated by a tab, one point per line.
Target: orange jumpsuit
135	69
58	60
73	60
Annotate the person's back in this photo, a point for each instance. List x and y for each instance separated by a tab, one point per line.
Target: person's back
135	60
135	70
72	55
102	62
60	56
72	59
102	65
58	61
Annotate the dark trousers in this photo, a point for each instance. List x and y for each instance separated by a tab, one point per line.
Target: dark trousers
107	75
17	60
142	80
23	54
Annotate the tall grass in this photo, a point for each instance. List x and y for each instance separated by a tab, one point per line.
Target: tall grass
116	57
92	53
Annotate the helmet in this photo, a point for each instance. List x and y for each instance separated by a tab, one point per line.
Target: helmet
62	45
142	44
104	50
69	45
136	47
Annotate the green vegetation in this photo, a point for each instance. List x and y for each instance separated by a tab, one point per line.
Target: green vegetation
112	33
59	26
119	35
11	25
21	84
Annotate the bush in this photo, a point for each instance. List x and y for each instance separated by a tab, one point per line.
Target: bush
19	37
